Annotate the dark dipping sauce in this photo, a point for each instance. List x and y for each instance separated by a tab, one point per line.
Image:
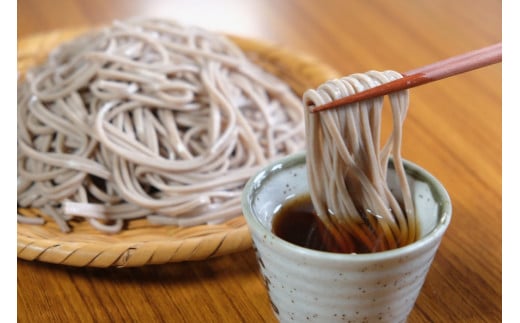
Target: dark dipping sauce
297	222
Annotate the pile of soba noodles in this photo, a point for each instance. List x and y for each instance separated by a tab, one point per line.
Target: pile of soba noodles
148	118
348	166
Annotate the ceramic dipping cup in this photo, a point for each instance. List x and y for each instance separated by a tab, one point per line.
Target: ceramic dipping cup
306	285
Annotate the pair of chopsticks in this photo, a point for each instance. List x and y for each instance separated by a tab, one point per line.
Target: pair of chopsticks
439	70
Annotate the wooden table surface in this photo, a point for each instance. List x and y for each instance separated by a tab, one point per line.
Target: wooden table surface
453	129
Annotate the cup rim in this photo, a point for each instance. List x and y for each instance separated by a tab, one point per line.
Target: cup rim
438	189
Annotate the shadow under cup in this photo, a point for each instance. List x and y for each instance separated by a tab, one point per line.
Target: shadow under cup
309	285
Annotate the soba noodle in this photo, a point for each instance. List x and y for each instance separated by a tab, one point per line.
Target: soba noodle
148	118
347	166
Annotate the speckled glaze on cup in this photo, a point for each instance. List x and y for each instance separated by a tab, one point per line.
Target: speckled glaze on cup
306	285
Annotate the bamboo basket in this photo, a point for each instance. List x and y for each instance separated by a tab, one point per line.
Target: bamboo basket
142	243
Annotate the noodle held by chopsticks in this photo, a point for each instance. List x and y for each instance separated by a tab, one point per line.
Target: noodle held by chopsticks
347	167
148	118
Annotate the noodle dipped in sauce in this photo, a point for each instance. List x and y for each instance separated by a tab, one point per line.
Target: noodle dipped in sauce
347	167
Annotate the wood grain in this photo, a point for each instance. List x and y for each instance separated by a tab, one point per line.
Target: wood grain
453	129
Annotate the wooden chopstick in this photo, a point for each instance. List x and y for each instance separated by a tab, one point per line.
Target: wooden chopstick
436	71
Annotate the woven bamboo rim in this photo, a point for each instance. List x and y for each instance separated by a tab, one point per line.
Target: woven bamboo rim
142	243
